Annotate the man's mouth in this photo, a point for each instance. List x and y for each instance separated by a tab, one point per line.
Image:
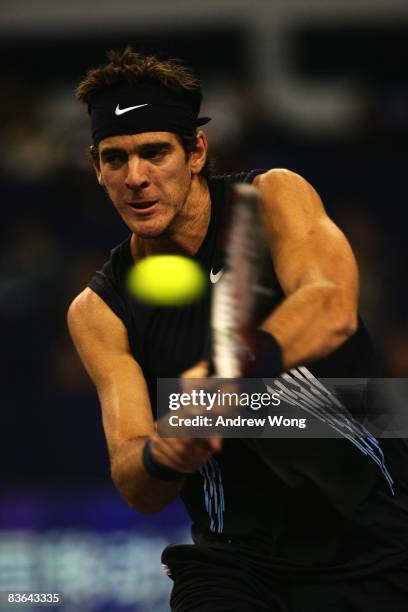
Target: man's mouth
142	205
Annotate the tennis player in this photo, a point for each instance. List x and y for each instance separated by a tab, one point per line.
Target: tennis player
278	525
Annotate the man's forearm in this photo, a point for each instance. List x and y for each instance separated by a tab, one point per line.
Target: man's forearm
311	323
141	491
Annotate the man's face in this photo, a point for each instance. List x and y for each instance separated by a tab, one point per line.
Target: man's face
148	179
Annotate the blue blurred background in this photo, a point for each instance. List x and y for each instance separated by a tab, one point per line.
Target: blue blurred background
317	87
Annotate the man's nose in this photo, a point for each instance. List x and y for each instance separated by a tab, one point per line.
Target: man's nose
137	175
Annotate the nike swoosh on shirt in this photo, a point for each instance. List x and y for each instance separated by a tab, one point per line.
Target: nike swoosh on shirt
214	278
122	111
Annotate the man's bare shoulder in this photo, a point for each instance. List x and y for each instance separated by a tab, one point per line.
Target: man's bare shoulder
281	178
86	304
89	316
289	196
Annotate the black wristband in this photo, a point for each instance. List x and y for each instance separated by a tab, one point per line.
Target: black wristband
156	469
268	357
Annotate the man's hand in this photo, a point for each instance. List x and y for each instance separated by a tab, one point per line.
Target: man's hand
186	454
199	370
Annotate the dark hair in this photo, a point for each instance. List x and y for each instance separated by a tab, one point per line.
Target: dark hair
129	67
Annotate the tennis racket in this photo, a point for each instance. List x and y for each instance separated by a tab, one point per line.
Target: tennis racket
245	292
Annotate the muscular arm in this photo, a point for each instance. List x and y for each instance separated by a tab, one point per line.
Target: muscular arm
315	267
102	343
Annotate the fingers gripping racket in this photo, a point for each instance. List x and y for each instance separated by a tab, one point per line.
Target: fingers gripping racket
239	295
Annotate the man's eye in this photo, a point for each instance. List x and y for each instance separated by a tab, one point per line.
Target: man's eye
114	159
154	154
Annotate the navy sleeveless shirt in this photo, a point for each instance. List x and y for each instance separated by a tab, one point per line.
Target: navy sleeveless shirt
323	507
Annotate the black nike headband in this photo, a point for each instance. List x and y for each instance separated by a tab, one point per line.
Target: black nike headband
144	107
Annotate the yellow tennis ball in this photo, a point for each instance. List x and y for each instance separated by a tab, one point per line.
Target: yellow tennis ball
166	280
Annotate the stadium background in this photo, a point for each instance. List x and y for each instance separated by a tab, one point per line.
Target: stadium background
318	87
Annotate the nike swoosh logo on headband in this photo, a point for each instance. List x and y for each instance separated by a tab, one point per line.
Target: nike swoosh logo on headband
122	111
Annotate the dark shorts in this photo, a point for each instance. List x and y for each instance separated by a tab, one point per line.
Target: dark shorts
216	579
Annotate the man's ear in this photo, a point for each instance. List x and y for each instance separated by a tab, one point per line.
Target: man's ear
94	153
199	155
